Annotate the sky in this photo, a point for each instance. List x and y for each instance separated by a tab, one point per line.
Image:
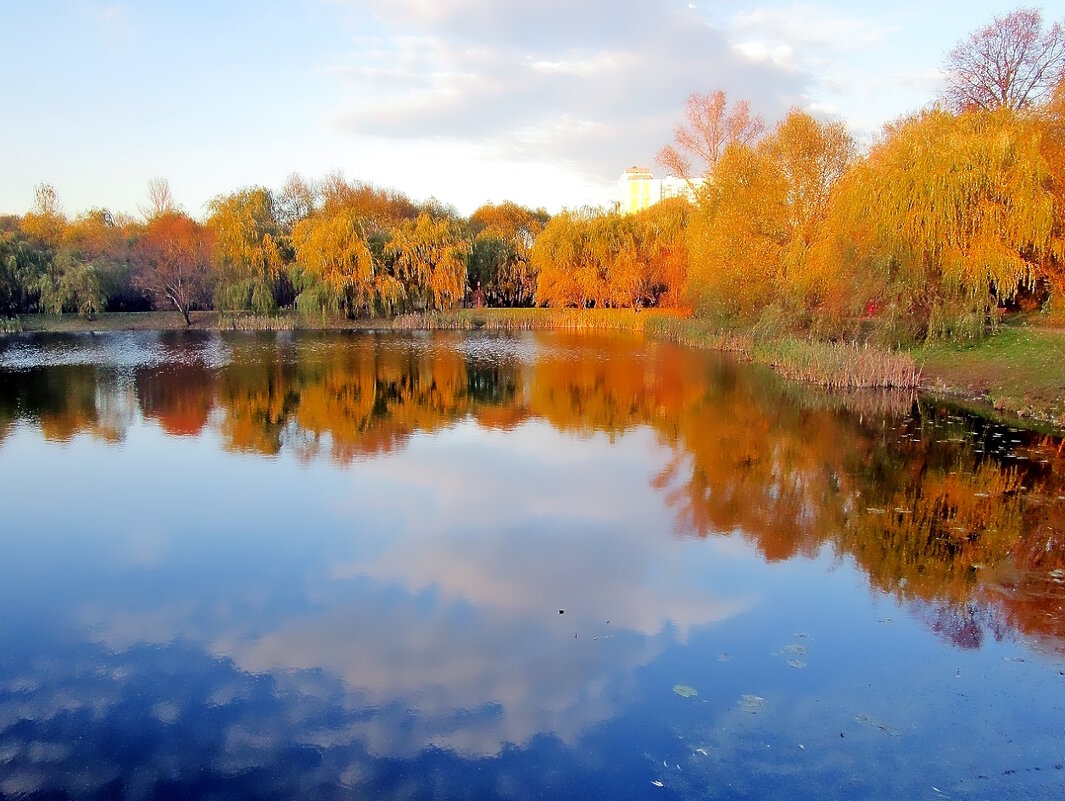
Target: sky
468	101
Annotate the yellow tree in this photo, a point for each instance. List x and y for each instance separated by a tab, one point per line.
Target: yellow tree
663	232
333	252
739	236
428	256
558	257
246	256
760	214
1051	268
955	214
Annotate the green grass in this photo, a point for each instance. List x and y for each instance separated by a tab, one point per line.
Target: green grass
1020	370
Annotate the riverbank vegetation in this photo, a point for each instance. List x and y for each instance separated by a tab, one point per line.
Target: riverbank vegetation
793	247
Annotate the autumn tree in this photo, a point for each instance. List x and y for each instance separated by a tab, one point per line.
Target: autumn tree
45	220
378	209
1012	63
709	127
758	217
172	262
498	260
664	243
609	260
946	218
428	256
248	262
1050	269
340	274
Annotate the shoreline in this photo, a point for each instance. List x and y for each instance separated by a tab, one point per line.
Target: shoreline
1017	374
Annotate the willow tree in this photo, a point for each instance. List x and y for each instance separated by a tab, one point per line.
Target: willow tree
248	262
428	256
561	261
499	254
611	260
954	215
1051	268
331	249
340	273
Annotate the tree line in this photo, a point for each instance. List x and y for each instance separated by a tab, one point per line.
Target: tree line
333	246
954	213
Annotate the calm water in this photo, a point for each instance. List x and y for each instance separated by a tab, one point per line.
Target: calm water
450	566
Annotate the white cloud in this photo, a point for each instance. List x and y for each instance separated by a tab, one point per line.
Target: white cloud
601	91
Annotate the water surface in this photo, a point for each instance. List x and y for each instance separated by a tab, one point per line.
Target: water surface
450	565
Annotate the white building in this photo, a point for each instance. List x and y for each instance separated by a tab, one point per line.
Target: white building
638	189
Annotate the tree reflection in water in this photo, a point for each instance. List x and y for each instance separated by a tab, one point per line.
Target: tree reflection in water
962	517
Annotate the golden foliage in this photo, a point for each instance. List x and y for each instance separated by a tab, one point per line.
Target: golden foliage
246	255
429	258
947	216
591	259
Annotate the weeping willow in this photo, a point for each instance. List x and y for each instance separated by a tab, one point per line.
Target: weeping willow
948	217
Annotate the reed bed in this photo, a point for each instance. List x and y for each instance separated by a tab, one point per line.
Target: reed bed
535	319
839	365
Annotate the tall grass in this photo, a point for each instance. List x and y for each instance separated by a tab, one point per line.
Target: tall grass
839	365
536	319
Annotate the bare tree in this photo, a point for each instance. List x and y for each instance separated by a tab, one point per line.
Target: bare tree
296	201
160	200
709	127
1012	63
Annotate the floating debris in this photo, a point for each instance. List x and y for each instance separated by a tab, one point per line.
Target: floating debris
657	783
800	635
876	724
1013	659
798	664
752	704
885	620
684	691
724	657
702	751
795	648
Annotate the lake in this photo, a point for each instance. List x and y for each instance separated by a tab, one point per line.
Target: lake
513	566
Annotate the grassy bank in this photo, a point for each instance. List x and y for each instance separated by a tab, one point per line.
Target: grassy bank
1020	371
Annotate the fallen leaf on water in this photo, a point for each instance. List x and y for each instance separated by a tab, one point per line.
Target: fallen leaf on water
752	703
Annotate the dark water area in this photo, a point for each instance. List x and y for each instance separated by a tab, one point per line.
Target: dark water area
538	566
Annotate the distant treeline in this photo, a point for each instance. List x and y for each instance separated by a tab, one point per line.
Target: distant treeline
953	214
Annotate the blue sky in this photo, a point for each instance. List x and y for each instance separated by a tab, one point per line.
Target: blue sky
470	101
